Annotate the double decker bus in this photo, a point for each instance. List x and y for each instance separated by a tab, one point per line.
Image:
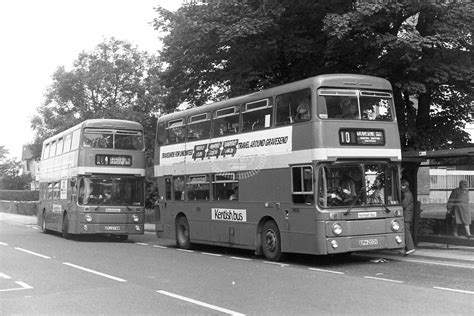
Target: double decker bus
92	179
308	167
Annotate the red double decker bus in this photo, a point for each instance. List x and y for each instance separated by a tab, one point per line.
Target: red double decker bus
310	167
92	179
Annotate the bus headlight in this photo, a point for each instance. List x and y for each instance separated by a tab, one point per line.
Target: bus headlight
395	226
135	218
88	217
334	244
137	228
336	229
398	239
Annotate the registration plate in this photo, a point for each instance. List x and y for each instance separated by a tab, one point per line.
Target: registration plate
368	242
112	228
367	215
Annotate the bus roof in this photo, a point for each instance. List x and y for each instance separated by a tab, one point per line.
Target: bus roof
351	81
100	123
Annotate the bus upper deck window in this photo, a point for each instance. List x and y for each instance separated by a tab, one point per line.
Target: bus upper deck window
293	107
376	106
129	140
257	115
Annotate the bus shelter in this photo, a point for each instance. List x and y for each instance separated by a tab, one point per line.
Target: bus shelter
432	176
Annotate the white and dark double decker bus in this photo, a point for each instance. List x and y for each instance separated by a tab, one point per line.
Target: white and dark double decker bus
309	167
92	179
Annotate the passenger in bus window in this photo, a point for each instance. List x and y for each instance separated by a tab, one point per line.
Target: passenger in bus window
303	112
378	194
348	108
235	195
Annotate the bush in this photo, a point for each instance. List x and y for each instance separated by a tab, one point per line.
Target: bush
19	195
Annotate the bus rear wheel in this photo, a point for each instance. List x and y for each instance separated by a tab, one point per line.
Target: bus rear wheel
271	241
182	233
65	227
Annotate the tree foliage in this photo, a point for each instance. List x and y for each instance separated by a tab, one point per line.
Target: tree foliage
115	80
10	177
423	47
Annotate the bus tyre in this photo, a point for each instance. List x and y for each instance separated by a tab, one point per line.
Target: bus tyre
271	241
65	227
43	223
182	233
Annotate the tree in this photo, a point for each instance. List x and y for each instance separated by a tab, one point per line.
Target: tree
423	47
226	49
10	177
115	80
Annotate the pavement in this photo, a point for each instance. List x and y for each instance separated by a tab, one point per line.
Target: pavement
424	250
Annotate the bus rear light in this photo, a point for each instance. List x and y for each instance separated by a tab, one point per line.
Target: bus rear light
398	239
88	217
334	244
135	218
137	228
395	226
336	229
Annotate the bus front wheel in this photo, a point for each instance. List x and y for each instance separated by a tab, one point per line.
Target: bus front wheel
182	233
271	241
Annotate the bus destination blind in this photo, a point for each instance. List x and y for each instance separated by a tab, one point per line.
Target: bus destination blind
363	137
113	160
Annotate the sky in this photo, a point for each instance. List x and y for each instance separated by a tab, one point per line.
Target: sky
40	36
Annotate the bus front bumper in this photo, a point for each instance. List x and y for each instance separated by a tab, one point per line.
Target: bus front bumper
363	243
112	229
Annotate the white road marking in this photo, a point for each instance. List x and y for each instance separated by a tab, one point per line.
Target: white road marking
32	253
277	263
158	246
184	250
4	276
329	271
211	254
190	300
453	290
23	285
382	279
95	272
239	258
141	244
3	244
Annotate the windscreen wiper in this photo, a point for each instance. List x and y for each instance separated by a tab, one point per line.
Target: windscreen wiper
355	200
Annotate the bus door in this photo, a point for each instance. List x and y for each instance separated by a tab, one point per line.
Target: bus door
300	219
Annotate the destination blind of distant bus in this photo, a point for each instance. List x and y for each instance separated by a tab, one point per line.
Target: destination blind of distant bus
113	160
